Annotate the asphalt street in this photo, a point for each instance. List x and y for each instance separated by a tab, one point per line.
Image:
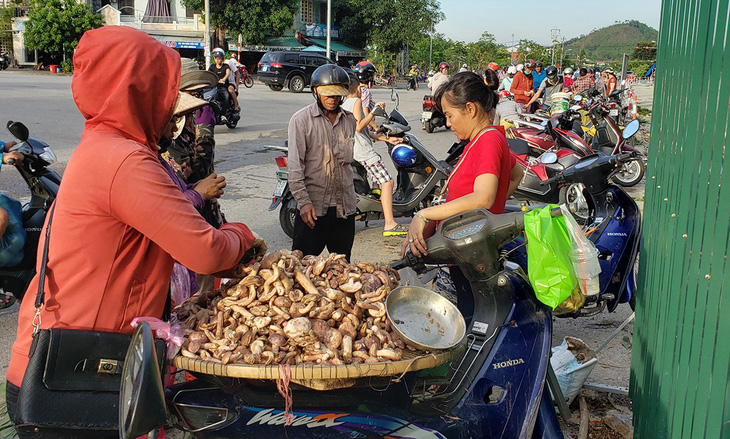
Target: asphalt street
44	103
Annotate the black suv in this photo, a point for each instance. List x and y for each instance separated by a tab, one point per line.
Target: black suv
289	69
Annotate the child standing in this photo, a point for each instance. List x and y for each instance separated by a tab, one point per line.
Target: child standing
371	160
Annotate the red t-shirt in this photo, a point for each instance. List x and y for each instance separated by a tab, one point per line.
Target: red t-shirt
489	155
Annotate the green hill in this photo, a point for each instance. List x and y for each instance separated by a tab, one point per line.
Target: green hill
610	43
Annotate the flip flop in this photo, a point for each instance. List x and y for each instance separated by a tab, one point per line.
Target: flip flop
398	230
6	300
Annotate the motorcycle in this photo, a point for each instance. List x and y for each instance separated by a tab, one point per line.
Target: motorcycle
431	117
565	131
246	78
612	221
411	83
495	387
4	61
43	184
222	105
415	186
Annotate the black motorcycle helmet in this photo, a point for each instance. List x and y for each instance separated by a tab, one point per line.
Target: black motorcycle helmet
365	72
551	72
329	74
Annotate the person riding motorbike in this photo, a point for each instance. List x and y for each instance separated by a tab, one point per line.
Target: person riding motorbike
486	174
115	191
507	81
439	78
223	70
414	77
568	78
553	83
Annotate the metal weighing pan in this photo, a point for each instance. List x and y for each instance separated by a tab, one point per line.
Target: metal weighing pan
425	319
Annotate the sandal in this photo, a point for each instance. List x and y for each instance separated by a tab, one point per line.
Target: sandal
398	230
6	300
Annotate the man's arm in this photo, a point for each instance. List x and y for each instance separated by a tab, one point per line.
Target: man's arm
297	154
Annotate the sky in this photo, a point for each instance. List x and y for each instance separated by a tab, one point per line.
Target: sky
533	19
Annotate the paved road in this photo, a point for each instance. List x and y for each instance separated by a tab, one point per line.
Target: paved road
44	103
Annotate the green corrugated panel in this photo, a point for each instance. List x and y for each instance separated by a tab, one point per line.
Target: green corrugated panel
680	371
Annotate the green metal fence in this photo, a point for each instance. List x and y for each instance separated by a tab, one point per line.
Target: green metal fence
681	359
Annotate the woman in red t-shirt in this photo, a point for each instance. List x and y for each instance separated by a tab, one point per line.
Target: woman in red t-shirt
486	174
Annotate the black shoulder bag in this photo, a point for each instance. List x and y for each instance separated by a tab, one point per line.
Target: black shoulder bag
73	377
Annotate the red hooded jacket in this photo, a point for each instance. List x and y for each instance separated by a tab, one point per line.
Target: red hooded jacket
119	221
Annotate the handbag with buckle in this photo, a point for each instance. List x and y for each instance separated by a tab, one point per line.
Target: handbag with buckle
73	377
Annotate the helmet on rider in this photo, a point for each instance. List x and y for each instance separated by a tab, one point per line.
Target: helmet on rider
504	94
530	64
493	65
218	53
330	80
538	64
551	72
520	67
443	65
511	70
365	71
568	71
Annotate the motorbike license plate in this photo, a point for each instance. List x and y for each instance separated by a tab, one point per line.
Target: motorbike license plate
280	186
613	112
426	115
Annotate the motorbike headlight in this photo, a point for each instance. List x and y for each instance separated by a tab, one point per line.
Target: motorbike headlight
48	155
198	418
404	155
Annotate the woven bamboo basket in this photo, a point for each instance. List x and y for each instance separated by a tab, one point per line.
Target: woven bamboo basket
322	376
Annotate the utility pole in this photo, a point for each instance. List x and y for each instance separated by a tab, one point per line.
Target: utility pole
554	34
562	51
206	37
329	25
512	54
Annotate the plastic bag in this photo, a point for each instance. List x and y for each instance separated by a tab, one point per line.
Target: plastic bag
12	247
572	362
549	267
583	255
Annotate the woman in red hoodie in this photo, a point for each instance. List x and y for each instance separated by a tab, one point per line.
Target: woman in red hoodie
119	221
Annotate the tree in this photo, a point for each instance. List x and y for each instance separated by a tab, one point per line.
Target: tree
387	25
531	50
645	51
253	19
484	51
55	26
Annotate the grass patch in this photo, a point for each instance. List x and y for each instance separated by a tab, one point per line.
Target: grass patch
643	111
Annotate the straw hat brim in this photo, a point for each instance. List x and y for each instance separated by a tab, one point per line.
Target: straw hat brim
198	80
187	104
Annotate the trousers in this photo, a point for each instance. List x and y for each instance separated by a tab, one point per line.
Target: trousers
336	234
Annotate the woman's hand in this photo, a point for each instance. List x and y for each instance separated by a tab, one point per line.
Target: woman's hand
415	239
211	186
15	155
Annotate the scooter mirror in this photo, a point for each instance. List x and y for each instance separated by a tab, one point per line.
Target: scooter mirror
142	398
18	130
577	98
549	158
575	107
379	112
631	129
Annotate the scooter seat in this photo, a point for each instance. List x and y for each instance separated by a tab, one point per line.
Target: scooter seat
519	146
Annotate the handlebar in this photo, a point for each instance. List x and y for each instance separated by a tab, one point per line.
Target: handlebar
10	161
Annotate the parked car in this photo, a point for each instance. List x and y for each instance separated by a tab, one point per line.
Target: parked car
289	69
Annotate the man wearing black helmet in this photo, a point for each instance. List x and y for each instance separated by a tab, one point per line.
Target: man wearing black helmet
321	139
538	76
553	83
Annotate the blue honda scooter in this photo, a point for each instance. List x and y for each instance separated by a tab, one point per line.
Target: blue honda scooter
495	389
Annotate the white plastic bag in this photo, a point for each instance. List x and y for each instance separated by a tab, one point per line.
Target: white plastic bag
584	256
572	362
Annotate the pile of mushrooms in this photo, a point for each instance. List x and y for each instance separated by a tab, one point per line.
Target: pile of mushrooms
290	309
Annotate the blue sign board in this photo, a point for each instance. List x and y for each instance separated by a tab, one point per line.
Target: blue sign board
320	31
184	44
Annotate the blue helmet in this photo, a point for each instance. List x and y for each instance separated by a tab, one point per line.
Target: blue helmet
404	155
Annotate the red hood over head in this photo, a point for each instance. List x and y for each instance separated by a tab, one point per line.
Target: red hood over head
127	81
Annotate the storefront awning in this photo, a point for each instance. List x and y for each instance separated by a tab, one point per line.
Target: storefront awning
270	44
339	48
